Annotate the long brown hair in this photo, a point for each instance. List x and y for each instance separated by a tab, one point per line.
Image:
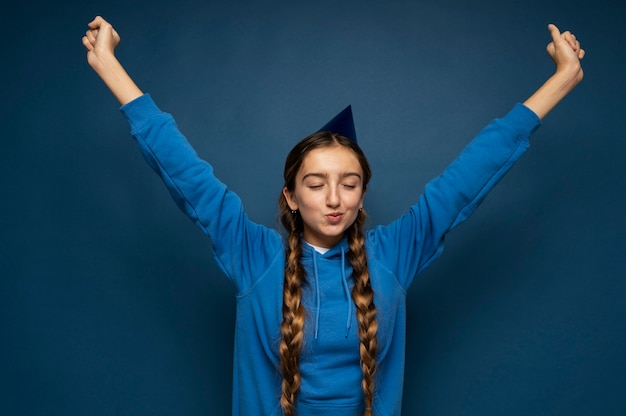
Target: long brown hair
292	327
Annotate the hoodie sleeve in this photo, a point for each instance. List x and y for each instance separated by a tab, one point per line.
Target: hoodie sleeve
216	210
415	240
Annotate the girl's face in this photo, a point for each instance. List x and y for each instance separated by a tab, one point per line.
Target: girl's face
328	192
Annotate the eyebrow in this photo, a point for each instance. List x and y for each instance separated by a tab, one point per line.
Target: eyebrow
325	175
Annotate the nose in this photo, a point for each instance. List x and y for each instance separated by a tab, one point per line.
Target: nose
332	197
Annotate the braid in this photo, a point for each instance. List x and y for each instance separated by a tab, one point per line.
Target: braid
292	327
363	297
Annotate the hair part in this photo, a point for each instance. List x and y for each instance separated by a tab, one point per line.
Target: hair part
292	327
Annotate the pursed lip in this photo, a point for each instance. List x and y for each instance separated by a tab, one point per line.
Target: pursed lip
334	216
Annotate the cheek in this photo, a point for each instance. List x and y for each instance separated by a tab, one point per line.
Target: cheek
306	200
311	201
356	201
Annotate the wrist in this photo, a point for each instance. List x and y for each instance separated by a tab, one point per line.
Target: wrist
554	89
102	62
111	71
568	76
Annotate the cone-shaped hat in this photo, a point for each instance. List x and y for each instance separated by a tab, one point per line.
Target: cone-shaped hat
343	124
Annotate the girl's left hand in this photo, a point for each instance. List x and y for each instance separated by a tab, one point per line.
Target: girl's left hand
566	52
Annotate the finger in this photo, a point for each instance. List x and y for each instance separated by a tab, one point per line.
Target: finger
581	54
570	38
554	32
97	22
91	37
87	44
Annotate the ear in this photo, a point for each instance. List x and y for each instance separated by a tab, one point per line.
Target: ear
289	197
362	200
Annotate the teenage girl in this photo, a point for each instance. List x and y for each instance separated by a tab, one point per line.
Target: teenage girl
320	327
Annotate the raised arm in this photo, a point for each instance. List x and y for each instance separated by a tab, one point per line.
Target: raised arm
100	41
566	53
453	196
241	247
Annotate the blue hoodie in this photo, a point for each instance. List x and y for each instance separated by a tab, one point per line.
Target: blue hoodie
252	257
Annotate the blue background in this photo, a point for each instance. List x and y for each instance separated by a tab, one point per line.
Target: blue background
110	303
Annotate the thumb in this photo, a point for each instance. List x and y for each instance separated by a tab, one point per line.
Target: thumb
554	32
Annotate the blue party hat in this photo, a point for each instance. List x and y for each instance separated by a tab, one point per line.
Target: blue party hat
343	124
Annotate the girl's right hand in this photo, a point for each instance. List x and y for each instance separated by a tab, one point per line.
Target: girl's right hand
100	40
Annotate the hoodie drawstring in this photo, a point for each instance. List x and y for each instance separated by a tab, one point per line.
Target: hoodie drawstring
346	288
317	294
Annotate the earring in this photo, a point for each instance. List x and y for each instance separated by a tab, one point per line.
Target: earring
294	212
